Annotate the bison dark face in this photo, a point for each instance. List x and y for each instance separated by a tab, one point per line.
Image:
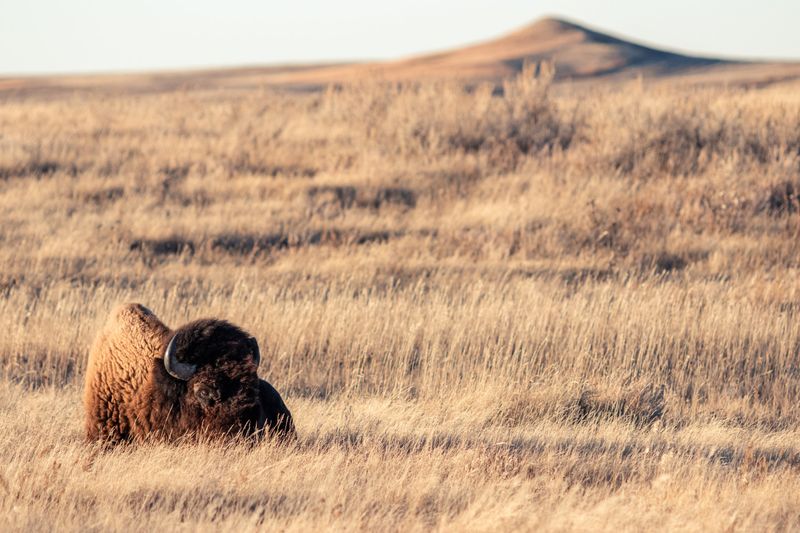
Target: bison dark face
218	391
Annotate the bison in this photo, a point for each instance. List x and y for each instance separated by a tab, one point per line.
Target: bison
144	381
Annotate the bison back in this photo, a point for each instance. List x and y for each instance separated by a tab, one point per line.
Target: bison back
275	416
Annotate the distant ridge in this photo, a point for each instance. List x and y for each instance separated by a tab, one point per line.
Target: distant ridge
579	53
576	51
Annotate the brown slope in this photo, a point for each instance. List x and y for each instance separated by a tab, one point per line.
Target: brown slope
579	53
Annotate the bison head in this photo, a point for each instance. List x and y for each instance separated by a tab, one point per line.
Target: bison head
213	380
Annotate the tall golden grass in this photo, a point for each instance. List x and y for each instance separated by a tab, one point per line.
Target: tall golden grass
532	307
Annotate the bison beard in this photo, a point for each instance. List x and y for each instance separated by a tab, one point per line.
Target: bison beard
145	381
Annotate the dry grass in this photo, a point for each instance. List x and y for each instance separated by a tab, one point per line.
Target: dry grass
486	312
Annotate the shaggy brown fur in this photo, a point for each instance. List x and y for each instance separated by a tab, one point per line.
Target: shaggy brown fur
129	395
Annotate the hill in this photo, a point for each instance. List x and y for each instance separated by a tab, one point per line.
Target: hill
577	51
580	54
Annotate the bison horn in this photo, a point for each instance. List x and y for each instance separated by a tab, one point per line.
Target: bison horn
176	369
255	350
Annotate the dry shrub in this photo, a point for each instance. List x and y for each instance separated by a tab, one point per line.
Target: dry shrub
432	119
680	137
641	405
781	199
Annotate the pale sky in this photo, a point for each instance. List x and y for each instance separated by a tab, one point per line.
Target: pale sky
42	36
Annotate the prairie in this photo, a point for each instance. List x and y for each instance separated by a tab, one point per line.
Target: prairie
488	310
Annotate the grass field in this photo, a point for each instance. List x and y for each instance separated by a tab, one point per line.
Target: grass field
488	312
